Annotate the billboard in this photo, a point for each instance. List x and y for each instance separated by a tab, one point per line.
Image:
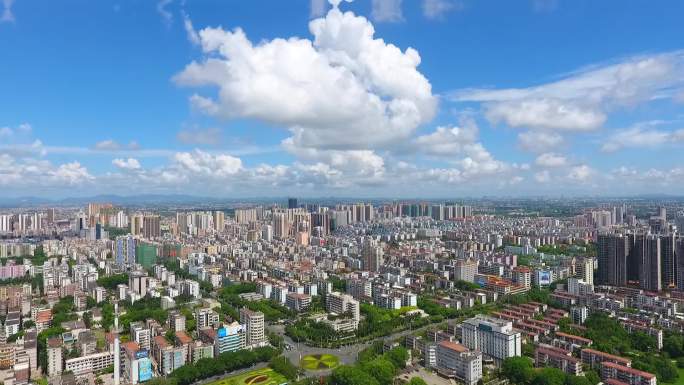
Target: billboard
141	354
144	369
178	359
544	277
481	279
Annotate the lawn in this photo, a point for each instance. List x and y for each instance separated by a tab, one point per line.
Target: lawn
320	362
680	380
265	376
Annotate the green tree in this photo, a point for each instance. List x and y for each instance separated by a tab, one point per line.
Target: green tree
113	280
88	319
170	336
382	369
673	344
398	356
680	362
528	350
592	376
417	381
642	341
577	380
518	370
283	366
549	376
351	375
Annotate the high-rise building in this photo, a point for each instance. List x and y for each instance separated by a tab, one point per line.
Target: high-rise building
125	249
465	270
620	214
679	222
679	261
668	261
176	321
456	361
254	326
146	254
54	355
136	223
281	225
579	314
51	216
151	226
372	254
613	250
206	318
292	203
522	275
267	233
662	213
219	220
492	336
647	252
141	335
137	282
585	270
338	303
229	338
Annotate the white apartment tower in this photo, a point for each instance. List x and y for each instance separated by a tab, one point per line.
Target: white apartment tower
254	325
492	336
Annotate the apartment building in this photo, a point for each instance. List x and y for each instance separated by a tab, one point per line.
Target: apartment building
456	361
494	337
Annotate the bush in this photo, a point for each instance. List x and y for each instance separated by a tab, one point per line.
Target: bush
680	362
283	366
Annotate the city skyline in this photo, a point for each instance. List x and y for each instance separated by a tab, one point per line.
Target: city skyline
431	98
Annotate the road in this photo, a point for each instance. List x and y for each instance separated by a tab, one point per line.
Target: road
347	354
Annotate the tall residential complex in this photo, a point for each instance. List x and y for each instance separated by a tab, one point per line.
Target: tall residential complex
612	250
646	252
372	254
652	261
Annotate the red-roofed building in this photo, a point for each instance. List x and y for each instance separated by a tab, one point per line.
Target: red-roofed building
557	358
631	376
595	358
457	361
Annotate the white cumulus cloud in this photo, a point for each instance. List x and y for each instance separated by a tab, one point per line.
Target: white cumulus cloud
551	160
641	136
580	173
539	141
435	9
387	10
449	140
328	91
580	101
7	15
127	164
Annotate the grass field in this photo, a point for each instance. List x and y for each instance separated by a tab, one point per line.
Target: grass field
320	362
265	376
680	380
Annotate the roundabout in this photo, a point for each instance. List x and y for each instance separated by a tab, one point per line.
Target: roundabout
320	362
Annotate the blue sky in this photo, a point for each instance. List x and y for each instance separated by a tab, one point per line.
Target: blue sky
262	98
